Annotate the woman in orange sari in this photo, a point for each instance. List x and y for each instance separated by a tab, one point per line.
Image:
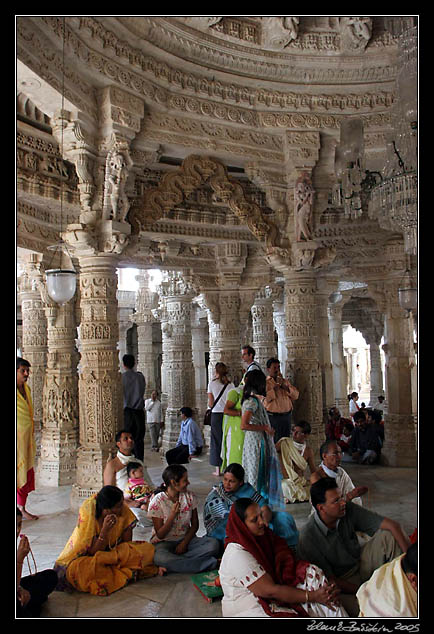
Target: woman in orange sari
100	556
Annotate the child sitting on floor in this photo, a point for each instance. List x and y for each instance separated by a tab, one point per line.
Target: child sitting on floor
137	489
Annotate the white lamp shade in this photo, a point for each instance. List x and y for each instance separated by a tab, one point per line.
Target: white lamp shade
61	285
408	298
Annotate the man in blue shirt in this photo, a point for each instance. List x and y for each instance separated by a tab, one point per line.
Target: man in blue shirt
190	441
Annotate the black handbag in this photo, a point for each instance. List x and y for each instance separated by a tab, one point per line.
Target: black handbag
207	417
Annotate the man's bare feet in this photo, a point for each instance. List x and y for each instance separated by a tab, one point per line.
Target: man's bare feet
161	571
27	515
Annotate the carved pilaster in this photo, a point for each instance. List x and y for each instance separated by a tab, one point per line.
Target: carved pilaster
400	446
176	295
57	465
302	341
146	302
263	340
100	388
340	378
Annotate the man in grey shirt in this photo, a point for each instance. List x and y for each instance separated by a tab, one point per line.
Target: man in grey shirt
329	540
134	385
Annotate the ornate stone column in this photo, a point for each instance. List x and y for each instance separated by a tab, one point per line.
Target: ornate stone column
400	446
400	421
225	335
376	373
176	295
59	441
34	337
303	354
126	301
146	302
199	335
324	288
100	388
339	366
263	326
279	325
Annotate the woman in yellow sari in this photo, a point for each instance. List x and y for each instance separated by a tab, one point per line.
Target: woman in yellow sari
26	446
100	556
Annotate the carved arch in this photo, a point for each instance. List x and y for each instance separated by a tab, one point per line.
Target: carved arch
194	172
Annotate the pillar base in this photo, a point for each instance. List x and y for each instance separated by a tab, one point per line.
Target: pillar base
400	444
57	462
91	462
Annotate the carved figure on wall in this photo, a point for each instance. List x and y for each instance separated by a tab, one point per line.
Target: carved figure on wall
303	208
116	200
356	32
279	31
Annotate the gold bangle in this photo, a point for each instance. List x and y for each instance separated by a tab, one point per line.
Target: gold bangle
101	538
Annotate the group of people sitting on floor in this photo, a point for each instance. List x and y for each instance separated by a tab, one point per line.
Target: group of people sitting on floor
267	567
361	438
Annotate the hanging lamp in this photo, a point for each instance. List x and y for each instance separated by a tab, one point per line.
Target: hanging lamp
62	281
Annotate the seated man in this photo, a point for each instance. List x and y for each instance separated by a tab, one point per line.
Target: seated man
331	455
392	589
365	445
115	472
329	540
295	456
190	440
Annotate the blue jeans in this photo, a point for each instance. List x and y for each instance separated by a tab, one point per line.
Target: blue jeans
201	555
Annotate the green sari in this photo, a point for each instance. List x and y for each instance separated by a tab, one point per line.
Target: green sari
233	437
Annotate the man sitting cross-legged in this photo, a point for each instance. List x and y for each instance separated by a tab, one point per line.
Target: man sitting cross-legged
329	540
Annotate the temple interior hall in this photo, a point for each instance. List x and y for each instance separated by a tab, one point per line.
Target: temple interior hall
188	185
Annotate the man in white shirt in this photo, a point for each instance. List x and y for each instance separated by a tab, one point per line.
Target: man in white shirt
154	418
115	472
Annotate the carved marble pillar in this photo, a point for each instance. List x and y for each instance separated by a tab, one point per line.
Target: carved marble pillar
225	335
146	302
126	301
176	295
322	295
100	387
34	337
303	354
59	441
199	336
376	374
339	366
279	325
400	446
263	326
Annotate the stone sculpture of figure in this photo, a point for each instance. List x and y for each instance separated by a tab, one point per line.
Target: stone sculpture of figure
117	174
303	208
278	32
356	31
291	24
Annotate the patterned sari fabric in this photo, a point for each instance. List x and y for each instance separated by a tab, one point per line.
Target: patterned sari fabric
107	570
219	503
260	461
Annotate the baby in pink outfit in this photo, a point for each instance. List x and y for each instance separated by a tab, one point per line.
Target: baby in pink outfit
137	489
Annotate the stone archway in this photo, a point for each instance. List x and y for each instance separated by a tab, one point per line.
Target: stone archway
196	171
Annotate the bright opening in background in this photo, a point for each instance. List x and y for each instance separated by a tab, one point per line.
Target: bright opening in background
127	279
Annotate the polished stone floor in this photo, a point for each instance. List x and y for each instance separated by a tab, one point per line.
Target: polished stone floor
393	492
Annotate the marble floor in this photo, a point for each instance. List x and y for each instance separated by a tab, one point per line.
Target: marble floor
393	492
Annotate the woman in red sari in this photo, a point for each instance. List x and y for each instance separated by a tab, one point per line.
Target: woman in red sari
261	577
